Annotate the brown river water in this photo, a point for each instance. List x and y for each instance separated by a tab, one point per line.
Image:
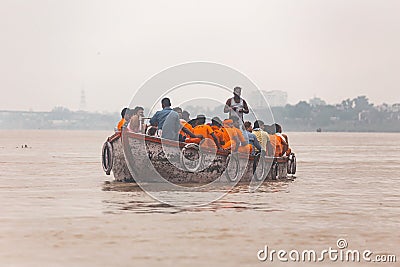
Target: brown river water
58	209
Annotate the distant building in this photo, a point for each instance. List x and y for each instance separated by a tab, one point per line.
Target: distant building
396	107
316	101
275	98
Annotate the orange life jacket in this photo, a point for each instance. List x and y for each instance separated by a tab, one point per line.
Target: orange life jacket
120	124
276	144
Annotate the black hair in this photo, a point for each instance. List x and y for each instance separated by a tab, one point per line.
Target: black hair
166	102
247	124
123	112
278	128
258	124
177	109
136	109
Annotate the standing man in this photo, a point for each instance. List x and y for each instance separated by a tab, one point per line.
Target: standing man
236	106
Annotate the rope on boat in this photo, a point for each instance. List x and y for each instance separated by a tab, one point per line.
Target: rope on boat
107	157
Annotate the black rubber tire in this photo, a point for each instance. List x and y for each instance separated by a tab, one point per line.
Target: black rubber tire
274	170
198	166
259	162
237	166
294	165
107	157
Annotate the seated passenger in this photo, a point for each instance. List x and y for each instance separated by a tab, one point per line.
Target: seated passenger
136	122
275	140
245	146
284	140
233	137
184	124
172	127
216	126
205	130
161	115
262	136
256	147
122	121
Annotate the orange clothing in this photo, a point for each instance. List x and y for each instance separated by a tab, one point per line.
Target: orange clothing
245	149
187	126
120	124
277	144
204	130
219	133
232	136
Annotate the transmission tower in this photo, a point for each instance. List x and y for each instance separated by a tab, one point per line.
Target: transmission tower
82	105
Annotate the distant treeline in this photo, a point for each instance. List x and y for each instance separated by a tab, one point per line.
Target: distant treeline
351	115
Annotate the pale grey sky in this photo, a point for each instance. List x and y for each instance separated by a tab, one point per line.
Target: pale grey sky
51	50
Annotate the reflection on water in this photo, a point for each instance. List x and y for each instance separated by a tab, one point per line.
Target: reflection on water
228	202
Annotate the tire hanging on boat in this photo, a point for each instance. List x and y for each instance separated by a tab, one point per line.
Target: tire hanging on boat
191	146
259	164
107	157
274	170
236	163
291	165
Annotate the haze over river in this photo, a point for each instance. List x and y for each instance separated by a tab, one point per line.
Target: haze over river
58	210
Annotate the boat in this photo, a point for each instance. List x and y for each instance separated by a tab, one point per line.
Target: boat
136	157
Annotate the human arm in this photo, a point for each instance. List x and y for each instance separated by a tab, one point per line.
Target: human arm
216	140
256	143
154	119
245	107
186	131
227	106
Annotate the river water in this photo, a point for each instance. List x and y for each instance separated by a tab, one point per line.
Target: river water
59	209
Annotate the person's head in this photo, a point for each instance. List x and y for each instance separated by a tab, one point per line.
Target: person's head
237	91
138	111
179	111
165	102
186	115
270	129
123	112
278	128
152	131
128	114
228	123
200	120
216	121
247	126
258	124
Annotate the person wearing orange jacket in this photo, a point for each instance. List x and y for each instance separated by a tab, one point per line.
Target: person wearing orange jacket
204	130
277	140
122	121
233	138
284	140
216	126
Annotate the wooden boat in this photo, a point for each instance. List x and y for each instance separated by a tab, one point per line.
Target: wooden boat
142	158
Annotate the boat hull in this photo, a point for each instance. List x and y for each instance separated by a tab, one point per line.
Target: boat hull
141	158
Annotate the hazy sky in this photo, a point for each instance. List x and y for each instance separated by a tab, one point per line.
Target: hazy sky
51	50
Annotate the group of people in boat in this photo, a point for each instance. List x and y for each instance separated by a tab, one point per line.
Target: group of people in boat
233	133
